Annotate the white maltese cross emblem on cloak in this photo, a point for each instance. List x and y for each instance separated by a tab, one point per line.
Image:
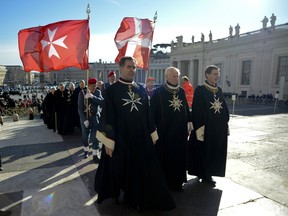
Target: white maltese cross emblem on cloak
176	103
216	105
134	99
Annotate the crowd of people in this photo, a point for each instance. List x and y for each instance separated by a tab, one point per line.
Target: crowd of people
30	104
151	137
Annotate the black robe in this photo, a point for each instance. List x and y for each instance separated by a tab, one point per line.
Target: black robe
71	112
61	103
171	122
208	158
126	122
49	111
76	95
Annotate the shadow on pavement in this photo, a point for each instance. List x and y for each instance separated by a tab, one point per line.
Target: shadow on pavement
43	170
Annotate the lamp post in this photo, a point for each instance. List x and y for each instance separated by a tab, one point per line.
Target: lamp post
42	81
233	101
276	101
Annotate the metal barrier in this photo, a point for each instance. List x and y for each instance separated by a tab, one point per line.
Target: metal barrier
250	101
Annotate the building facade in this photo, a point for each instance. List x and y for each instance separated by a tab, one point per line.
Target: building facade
3	71
252	63
15	75
158	63
69	74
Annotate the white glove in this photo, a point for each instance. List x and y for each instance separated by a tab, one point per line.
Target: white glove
89	95
86	123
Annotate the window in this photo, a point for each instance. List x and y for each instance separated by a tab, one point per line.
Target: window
246	72
175	64
151	73
156	75
244	94
282	69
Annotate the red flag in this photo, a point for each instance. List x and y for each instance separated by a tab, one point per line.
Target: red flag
134	38
55	46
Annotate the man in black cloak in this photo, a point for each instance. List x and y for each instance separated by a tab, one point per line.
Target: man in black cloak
208	141
170	112
49	109
129	161
71	114
61	103
79	88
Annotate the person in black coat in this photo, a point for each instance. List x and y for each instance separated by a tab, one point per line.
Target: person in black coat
61	103
171	112
208	141
78	89
49	110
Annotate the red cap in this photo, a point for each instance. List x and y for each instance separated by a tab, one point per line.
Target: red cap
111	73
92	81
150	79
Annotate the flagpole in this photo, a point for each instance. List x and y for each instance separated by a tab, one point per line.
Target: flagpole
154	21
87	71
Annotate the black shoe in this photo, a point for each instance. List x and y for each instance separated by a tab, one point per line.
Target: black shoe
134	208
209	181
99	200
86	154
96	159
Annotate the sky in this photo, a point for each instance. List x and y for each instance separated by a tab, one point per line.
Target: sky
175	18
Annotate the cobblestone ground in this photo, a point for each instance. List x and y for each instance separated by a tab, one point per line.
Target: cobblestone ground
257	154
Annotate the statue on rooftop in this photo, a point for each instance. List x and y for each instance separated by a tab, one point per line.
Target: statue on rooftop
237	29
179	40
230	31
273	20
265	21
202	37
210	36
192	38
